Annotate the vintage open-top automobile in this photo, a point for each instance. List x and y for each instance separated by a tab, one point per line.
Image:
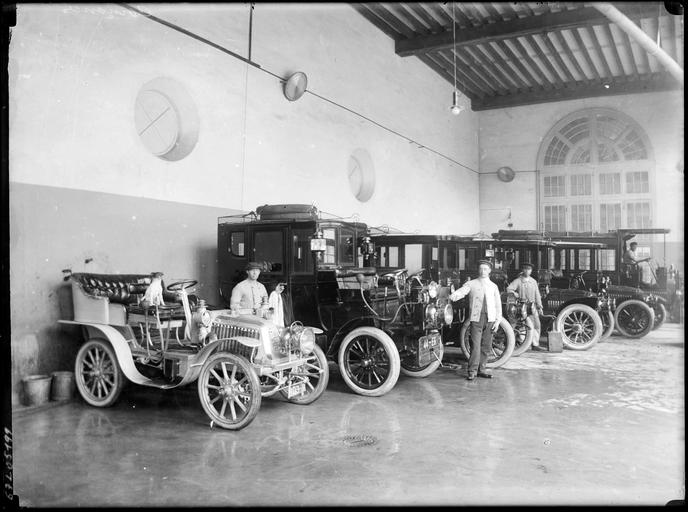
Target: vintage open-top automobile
369	324
235	360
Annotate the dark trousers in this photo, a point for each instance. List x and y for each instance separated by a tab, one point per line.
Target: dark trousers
481	344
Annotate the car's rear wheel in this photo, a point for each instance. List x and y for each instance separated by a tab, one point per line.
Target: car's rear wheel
409	369
580	326
608	324
369	361
97	373
503	342
634	318
229	391
314	373
660	315
523	335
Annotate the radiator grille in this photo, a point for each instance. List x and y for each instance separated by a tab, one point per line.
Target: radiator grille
223	330
234	347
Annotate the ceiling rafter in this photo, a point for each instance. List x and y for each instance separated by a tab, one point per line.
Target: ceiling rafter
533	64
596	44
467	75
586	55
629	48
515	61
514	77
558	82
439	62
486	65
561	40
654	83
556	57
501	30
612	47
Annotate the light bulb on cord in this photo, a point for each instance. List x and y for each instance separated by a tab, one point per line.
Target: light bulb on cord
456	109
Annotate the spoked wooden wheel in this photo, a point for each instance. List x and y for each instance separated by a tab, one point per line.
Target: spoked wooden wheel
660	315
580	326
229	391
503	342
369	361
98	376
313	374
634	318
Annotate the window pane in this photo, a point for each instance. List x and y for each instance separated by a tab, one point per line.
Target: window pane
638	215
562	259
413	257
555	218
584	259
610	183
581	217
268	248
555	186
330	254
347	248
236	244
301	249
610	216
637	182
581	185
606	259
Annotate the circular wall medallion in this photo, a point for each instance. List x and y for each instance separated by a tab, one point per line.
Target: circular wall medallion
166	119
505	174
295	86
361	174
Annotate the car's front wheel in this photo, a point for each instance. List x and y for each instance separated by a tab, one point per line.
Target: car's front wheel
98	375
634	318
309	380
369	361
580	326
229	390
503	342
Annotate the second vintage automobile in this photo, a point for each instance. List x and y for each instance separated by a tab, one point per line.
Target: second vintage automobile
235	360
369	324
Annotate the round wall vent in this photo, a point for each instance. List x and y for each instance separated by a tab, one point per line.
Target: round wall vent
505	174
166	119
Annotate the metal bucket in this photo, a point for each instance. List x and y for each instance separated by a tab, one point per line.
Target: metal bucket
63	386
37	389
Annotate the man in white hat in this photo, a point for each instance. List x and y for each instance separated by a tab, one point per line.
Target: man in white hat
249	296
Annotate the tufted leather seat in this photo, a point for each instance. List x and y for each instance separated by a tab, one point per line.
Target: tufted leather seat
107	298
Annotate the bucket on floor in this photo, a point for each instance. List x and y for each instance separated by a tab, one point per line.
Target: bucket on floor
63	386
37	389
554	342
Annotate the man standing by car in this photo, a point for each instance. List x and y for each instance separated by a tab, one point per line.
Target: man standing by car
485	313
526	288
250	296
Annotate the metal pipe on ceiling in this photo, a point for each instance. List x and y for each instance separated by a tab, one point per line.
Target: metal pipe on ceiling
645	41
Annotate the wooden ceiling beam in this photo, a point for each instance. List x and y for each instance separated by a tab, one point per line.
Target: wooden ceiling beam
441	66
537	67
559	37
586	54
596	44
501	30
558	82
464	60
487	61
373	18
516	62
466	74
629	48
557	57
653	83
421	13
612	45
389	18
501	64
486	66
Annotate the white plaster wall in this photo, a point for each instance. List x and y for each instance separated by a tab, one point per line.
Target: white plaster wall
512	137
76	70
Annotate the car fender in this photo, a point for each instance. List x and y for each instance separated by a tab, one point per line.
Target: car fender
121	348
588	301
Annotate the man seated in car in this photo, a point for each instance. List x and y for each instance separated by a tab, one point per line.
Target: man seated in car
635	270
249	297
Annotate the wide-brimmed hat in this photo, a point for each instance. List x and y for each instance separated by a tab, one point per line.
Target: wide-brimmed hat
485	262
252	265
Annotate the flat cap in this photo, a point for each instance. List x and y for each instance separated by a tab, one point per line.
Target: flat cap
526	264
485	262
254	265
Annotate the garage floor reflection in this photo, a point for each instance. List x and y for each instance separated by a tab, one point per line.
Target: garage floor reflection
605	426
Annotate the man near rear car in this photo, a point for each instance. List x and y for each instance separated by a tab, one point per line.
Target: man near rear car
485	314
526	288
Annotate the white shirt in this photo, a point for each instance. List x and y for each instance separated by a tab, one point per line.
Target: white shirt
248	294
275	302
481	289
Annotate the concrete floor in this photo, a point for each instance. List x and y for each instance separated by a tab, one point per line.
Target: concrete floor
605	426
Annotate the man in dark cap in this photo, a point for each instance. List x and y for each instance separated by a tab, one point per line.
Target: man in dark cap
485	314
249	296
526	288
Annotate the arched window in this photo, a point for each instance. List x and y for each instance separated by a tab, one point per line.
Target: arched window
596	173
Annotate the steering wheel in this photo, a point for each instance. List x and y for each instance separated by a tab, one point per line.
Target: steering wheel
181	285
